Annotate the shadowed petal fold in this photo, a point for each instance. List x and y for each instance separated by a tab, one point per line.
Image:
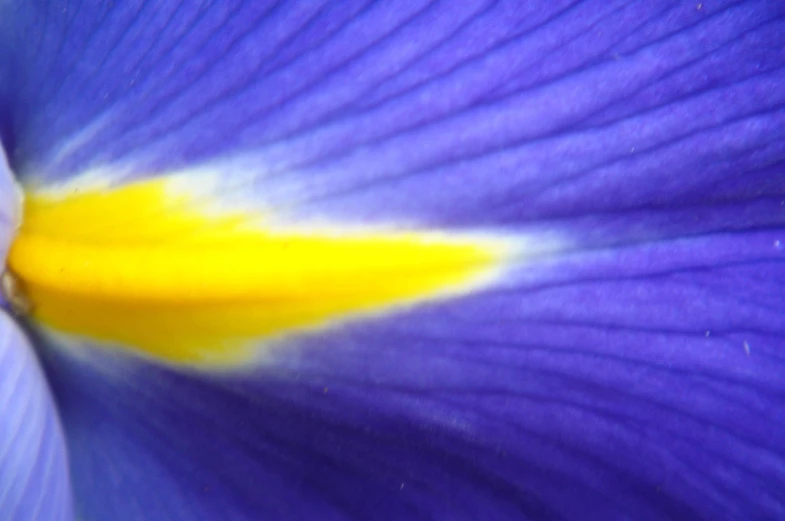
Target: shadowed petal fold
633	372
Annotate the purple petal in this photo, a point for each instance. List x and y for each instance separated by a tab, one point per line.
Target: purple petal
639	383
34	481
635	375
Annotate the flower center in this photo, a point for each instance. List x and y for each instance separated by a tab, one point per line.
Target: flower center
149	266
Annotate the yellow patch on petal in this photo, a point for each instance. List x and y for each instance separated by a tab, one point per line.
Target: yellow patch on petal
153	267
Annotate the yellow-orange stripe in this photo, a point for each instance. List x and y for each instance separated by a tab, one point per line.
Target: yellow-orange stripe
149	267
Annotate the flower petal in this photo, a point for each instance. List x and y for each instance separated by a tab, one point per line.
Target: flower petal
34	481
635	373
640	383
10	206
328	108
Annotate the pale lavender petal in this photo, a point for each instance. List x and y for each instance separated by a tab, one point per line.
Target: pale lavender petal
34	480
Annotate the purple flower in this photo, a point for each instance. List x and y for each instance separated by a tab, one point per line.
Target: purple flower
626	363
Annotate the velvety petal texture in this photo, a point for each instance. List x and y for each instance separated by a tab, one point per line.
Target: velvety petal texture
632	370
34	479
